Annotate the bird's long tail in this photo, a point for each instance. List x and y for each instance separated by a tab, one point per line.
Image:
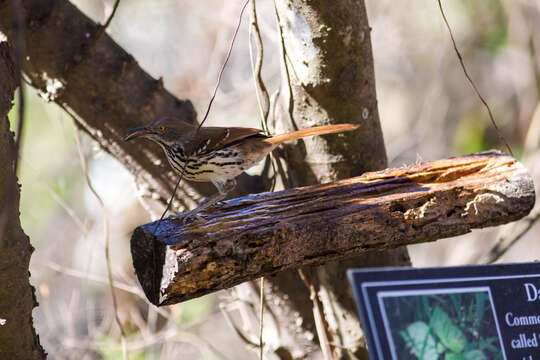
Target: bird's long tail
317	130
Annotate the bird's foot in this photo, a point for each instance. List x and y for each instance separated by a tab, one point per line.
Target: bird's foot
191	217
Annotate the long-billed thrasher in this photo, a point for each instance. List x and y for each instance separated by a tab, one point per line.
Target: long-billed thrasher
217	154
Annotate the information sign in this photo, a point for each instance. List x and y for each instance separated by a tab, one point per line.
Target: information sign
469	312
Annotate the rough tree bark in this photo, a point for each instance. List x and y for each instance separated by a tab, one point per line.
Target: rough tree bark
18	339
328	77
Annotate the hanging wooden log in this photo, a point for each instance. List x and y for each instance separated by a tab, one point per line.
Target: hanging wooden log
245	238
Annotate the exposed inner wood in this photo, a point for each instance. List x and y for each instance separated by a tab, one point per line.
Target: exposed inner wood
257	235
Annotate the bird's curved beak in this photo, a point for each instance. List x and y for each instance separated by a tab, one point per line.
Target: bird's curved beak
136	132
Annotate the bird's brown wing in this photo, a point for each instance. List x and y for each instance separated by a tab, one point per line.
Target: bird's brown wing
215	138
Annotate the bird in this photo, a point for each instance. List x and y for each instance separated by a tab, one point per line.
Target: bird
217	154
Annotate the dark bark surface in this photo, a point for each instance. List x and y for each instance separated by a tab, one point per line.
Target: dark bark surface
18	339
317	224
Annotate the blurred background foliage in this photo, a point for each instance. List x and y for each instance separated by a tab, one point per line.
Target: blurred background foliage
427	109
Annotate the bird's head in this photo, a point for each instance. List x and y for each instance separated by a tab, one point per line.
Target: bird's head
164	131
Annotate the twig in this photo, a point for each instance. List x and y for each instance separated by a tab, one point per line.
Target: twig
99	279
109	19
318	314
503	246
224	64
56	197
285	64
238	332
69	210
117	284
250	304
107	242
501	137
263	100
281	170
11	182
102	28
261	345
206	113
105	230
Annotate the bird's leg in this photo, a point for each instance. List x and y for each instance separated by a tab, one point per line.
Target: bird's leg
206	203
223	188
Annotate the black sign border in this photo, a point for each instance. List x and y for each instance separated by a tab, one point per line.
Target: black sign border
399	277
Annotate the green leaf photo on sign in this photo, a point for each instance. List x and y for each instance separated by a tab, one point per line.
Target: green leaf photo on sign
455	326
449	334
469	355
420	341
452	356
474	355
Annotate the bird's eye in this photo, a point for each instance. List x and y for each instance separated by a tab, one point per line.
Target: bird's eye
161	128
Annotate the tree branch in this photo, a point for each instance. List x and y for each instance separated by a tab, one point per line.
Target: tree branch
73	63
262	234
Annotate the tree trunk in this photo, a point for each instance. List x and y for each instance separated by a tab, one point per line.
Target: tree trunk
328	77
18	339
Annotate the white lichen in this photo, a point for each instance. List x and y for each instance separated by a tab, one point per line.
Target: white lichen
52	87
